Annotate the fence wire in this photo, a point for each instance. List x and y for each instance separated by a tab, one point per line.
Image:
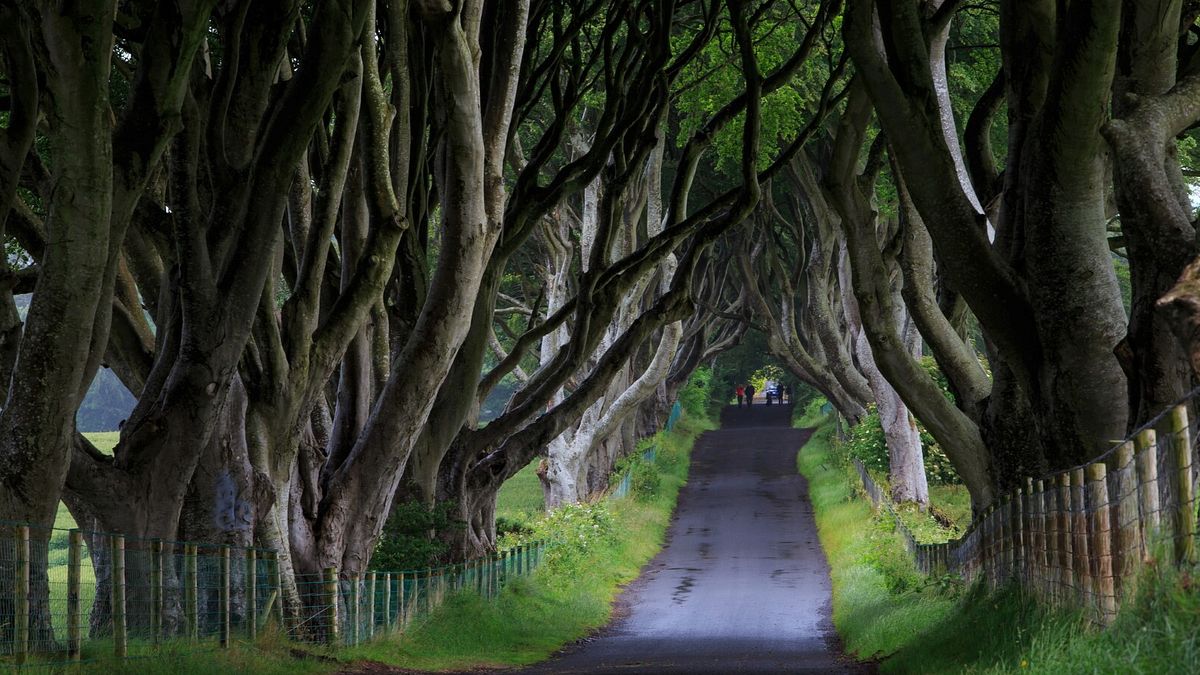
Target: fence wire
1077	537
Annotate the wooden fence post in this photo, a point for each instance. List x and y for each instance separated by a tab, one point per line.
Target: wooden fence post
1079	531
1125	523
1045	540
331	603
156	589
276	581
994	552
191	592
1101	544
251	594
1146	444
371	603
226	611
403	597
120	638
1018	536
21	596
354	614
1184	489
1066	574
985	545
1028	551
429	593
1006	539
387	602
74	571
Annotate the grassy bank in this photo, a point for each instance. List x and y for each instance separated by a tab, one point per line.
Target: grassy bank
597	549
884	610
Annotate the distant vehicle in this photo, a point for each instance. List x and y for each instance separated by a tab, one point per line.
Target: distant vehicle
775	390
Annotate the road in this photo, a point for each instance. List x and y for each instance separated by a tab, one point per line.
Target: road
742	585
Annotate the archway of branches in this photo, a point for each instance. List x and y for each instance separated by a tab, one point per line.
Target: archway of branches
350	254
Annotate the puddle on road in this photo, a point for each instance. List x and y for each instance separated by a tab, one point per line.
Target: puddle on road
683	589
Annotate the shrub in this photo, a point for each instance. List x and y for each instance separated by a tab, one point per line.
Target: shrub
570	532
410	539
812	409
866	443
695	395
511	526
644	480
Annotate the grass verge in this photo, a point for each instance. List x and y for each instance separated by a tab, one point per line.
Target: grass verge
884	610
568	597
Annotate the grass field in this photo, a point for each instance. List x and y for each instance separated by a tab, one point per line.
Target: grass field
521	499
885	611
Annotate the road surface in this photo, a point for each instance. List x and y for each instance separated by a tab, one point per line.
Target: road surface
742	585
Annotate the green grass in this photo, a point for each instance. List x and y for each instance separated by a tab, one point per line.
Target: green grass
104	441
877	598
951	502
521	499
884	610
271	655
536	616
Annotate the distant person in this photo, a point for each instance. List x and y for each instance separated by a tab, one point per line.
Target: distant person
750	395
787	395
741	393
770	393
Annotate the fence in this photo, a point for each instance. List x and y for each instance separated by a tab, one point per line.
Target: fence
71	596
353	610
648	455
1076	537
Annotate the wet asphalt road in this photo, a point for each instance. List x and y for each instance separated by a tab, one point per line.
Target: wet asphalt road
742	585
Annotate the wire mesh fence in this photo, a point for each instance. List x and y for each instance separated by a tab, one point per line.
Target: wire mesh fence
1076	537
350	610
621	490
71	596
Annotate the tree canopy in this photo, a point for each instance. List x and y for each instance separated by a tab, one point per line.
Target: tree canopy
315	237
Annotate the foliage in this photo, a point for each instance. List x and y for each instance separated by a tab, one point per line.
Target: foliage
410	538
715	77
866	443
645	482
812	413
769	371
694	397
571	532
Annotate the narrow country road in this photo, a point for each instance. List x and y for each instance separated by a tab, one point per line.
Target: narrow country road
742	585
